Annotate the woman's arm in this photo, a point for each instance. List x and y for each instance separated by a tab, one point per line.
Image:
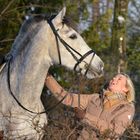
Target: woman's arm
70	98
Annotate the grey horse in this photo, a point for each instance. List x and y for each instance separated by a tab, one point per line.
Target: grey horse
39	44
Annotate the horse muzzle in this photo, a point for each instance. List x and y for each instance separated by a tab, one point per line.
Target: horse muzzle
90	65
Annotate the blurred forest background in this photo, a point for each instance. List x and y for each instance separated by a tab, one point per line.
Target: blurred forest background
110	27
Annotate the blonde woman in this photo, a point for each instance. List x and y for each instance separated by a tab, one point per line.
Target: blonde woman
109	115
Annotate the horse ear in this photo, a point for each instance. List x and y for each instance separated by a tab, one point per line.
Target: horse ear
58	19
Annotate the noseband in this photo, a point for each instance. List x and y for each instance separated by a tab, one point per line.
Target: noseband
69	48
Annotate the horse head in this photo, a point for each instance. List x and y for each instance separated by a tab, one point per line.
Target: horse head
71	49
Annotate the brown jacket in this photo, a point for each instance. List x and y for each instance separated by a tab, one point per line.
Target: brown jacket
115	118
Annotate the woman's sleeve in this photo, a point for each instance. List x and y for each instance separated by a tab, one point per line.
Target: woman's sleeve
70	99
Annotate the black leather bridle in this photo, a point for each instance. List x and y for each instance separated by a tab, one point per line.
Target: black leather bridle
70	50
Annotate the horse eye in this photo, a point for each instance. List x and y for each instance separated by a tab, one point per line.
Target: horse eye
73	36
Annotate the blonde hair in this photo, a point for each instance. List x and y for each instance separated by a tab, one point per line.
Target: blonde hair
131	90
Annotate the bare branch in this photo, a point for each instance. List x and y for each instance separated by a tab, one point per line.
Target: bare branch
6	7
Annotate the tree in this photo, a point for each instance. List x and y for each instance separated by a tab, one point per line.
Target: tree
118	43
133	51
98	33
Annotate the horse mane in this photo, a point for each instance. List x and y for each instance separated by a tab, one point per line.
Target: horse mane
69	22
29	28
30	24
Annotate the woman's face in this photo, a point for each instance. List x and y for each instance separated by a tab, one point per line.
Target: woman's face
118	84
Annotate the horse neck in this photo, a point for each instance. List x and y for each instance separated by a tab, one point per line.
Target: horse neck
29	68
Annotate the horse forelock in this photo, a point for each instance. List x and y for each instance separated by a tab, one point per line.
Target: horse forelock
69	22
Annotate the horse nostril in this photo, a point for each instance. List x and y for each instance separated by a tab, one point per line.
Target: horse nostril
80	69
86	66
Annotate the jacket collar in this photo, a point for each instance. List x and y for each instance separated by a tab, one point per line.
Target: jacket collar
111	99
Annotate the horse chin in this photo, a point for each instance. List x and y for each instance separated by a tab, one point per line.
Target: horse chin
93	75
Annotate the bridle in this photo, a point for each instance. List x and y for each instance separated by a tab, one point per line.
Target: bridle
69	49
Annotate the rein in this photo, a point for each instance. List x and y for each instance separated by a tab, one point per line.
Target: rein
18	102
69	49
